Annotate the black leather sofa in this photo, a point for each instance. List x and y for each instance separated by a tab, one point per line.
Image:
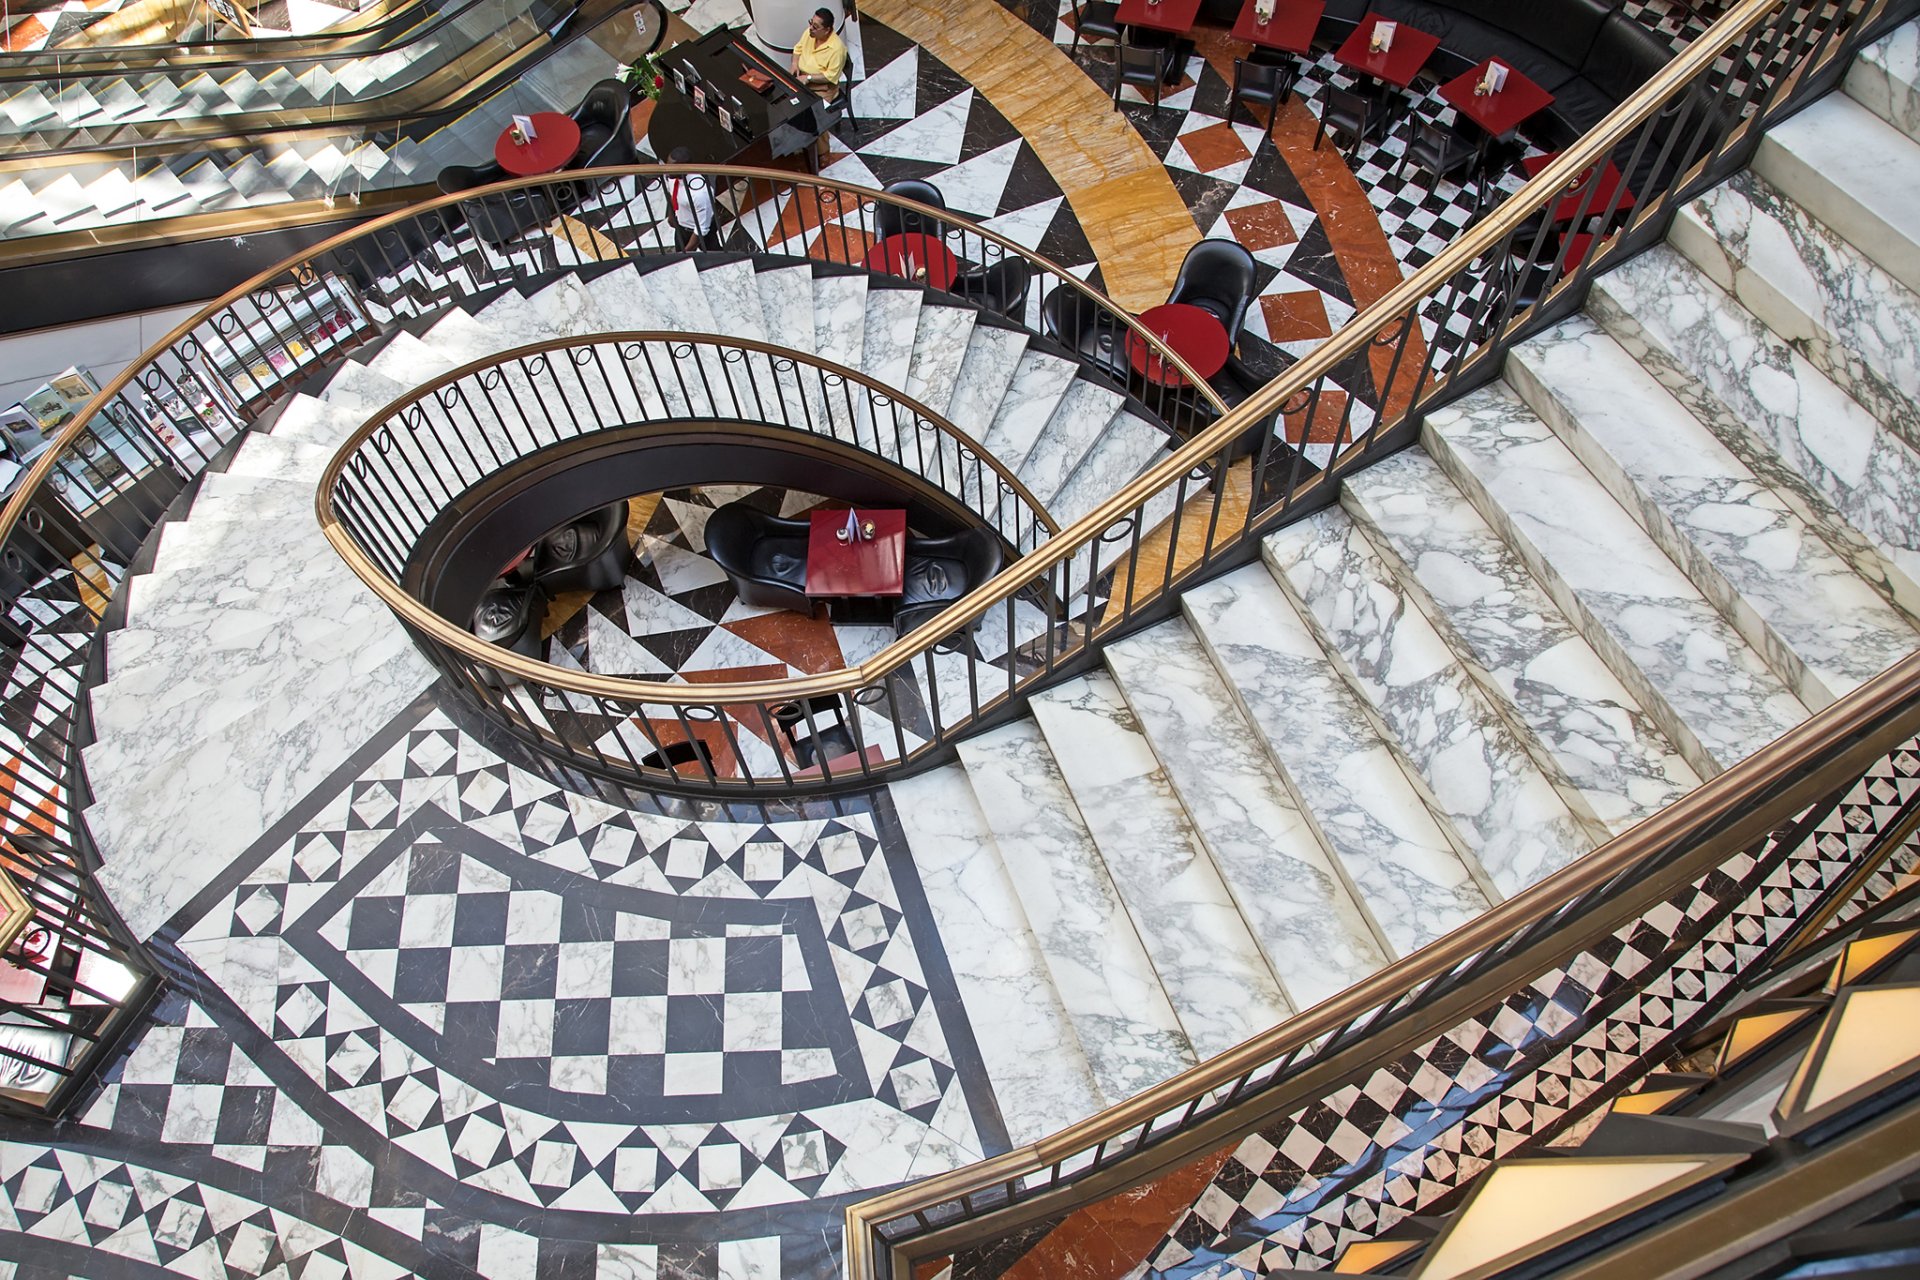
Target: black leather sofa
1587	53
764	555
939	571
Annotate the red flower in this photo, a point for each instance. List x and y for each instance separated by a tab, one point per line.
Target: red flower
659	82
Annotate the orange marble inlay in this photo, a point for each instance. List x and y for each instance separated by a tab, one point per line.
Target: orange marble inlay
1109	1238
1296	317
1215	147
1261	226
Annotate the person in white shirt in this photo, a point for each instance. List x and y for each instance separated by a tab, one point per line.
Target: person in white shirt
690	202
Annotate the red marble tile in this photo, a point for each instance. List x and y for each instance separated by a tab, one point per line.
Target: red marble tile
747	717
1105	1241
1295	317
804	643
1215	147
1328	411
840	244
1261	226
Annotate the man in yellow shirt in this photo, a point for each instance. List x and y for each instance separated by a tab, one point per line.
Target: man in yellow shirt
820	59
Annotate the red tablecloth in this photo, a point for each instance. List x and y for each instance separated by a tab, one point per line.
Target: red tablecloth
1502	111
1398	65
1192	332
1611	180
909	253
1290	29
876	568
556	138
1169	15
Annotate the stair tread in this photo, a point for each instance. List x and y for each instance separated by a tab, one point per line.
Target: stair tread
786	305
1304	918
1398	860
1477	772
1815	445
1079	421
1501	622
1127	447
939	349
1040	1077
734	300
1885	78
1822	628
1849	318
892	316
1119	1011
993	354
1039	383
1660	635
840	319
1856	173
1215	975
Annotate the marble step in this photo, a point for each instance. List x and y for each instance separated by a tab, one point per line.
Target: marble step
675	299
993	357
1854	172
839	319
734	300
892	317
1396	858
1316	938
1081	419
1813	444
1041	1079
1039	383
1474	769
1850	319
1885	78
1127	447
939	348
786	305
1712	695
1119	1011
1548	680
1214	973
1821	627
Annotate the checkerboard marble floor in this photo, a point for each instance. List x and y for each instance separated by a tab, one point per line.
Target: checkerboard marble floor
447	1019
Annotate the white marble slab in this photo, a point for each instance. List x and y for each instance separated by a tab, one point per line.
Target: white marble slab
1479	773
892	317
993	354
1885	78
786	303
408	361
1794	427
1303	917
1685	664
1854	172
1820	626
624	300
1041	1081
1039	383
1397	860
1127	447
939	348
1850	319
1084	413
281	458
1104	979
734	300
1500	622
675	299
1213	971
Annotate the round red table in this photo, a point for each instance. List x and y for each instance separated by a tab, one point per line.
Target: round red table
555	138
909	253
1191	331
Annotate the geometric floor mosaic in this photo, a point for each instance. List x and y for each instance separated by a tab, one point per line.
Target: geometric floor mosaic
447	1019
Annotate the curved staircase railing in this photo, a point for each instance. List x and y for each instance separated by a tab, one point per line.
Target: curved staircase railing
78	518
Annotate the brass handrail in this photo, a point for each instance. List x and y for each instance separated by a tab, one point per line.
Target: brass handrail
460	638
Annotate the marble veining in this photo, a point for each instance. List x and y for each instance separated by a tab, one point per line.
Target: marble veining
1084	413
1128	446
840	318
1477	772
993	354
734	300
1848	317
1481	596
1401	865
1820	626
676	296
1038	384
1303	917
939	348
1854	172
1713	696
1221	987
786	303
1885	78
892	316
1742	380
1119	1011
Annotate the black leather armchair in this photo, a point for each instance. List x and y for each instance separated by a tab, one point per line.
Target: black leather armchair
504	217
1077	321
890	220
605	136
509	615
765	556
940	571
590	554
1000	288
1218	277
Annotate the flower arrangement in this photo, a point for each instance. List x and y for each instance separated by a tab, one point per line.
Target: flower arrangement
643	77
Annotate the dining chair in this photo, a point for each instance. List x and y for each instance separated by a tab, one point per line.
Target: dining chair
890	220
1095	19
1260	85
1219	277
1144	68
1353	115
1440	152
